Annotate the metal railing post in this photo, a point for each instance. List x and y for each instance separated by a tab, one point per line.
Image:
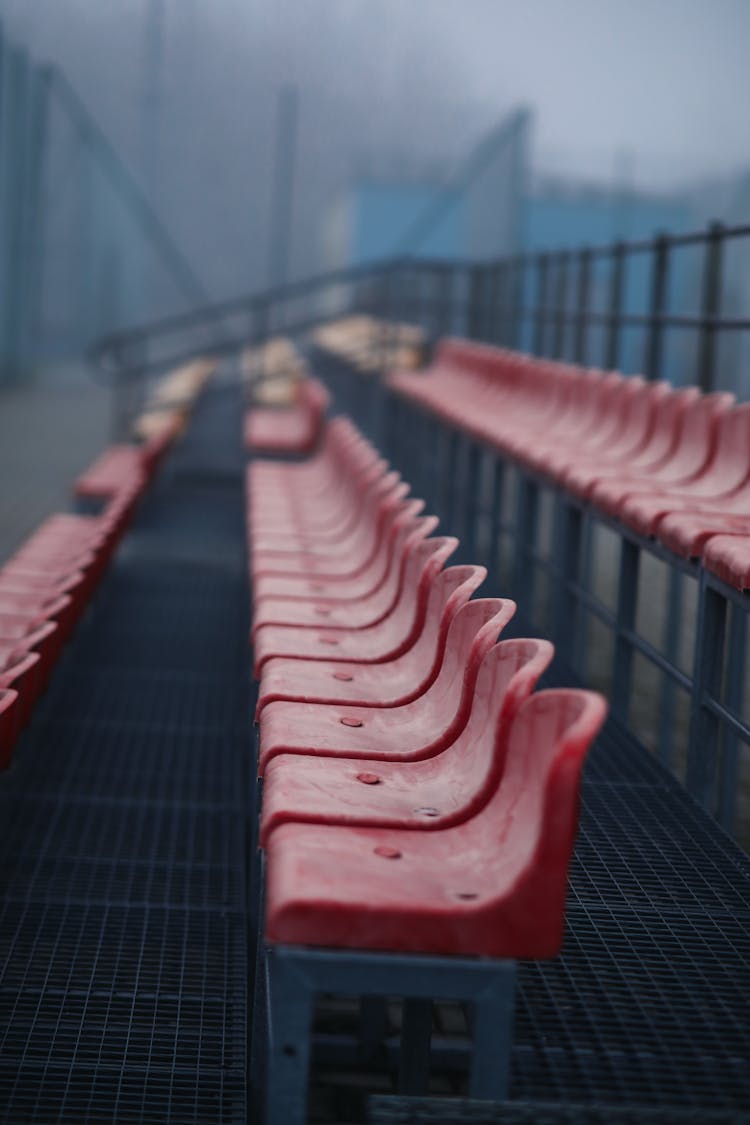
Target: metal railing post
703	742
710	307
659	276
540	325
612	351
580	349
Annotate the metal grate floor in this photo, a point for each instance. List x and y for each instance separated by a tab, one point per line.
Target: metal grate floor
123	865
123	928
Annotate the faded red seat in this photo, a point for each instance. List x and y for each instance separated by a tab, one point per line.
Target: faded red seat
288	430
310	521
368	610
403	792
424	725
491	886
16	643
9	724
282	589
728	556
686	533
624	447
389	684
654	455
23	672
120	466
357	543
725	471
384	641
687	459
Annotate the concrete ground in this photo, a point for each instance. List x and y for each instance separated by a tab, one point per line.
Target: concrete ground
51	427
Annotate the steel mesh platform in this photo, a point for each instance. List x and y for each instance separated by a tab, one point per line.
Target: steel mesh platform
123	955
123	865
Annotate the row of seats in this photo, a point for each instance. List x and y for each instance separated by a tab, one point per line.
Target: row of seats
670	463
370	344
169	404
48	583
419	795
291	428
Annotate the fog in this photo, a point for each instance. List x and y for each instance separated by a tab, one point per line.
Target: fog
661	86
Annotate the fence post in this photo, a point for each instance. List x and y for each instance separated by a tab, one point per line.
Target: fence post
654	344
615	308
710	307
627	603
541	304
584	279
558	345
703	748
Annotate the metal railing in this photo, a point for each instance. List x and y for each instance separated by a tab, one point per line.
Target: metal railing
664	638
615	306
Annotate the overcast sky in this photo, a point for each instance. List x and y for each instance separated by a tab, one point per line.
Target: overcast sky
662	86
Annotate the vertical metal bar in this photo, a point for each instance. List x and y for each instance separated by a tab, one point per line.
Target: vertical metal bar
569	538
584	284
38	217
527	511
474	312
703	745
558	343
290	1011
517	298
496	499
627	603
414	1063
612	351
492	1033
492	303
659	279
541	304
671	643
472	499
732	748
710	308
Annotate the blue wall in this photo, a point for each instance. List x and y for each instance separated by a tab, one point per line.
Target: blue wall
383	212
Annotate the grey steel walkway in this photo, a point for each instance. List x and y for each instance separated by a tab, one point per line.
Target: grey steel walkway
50	429
122	827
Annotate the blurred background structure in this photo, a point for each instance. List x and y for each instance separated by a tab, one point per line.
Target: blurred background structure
157	154
342	184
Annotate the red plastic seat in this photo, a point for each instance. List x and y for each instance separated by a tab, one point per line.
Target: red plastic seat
288	430
377	685
285	524
668	420
358	540
688	458
492	886
397	791
723	474
728	556
638	426
368	610
118	467
9	724
23	673
44	640
424	725
375	644
396	526
686	533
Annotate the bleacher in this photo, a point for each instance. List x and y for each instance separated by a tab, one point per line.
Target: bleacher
298	827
